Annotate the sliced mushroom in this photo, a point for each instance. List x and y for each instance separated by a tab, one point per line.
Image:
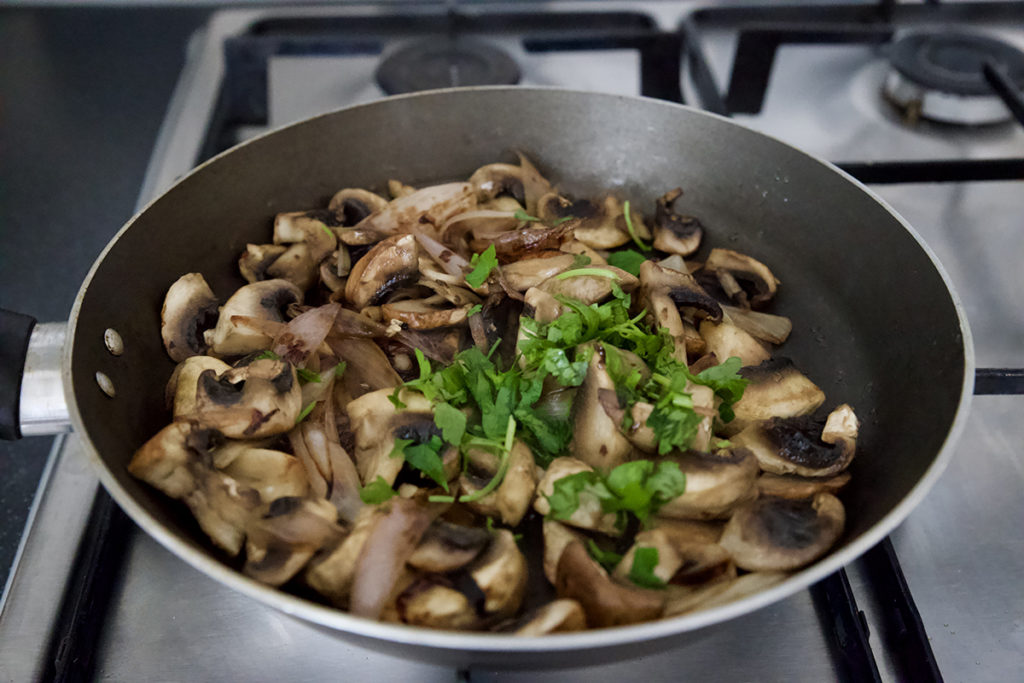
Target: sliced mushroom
574	246
351	205
274	474
605	602
796	445
374	420
715	483
177	461
296	265
432	205
367	368
686	531
674	233
774	329
514	245
180	393
332	573
309	228
424	314
541	306
668	563
639	434
776	389
794	487
248	402
446	547
597	439
500	574
683	600
433	602
589	286
390	264
557	537
589	514
522	275
778	534
598	224
257	258
733	268
281	542
558	616
189	309
497	180
511	499
265	300
682	289
726	340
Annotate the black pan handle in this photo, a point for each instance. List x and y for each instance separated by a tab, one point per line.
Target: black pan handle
988	381
15	330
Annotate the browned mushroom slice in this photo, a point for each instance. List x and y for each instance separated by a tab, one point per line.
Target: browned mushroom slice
686	531
791	486
605	602
779	534
189	309
558	616
511	499
180	393
530	272
424	314
374	420
574	246
309	228
257	258
331	574
390	264
296	265
265	300
733	268
500	574
446	547
598	224
597	439
715	483
796	445
248	402
774	329
514	245
674	233
391	541
776	389
282	541
432	601
497	180
590	285
352	205
431	205
541	306
177	461
673	299
273	473
639	434
557	537
589	514
726	340
687	599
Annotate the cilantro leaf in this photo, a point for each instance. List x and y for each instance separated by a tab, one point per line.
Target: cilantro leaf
579	260
424	457
565	496
482	264
628	260
727	384
521	215
305	412
327	230
451	421
473	310
555	223
639	487
307	376
642	571
339	369
376	492
268	354
627	214
605	558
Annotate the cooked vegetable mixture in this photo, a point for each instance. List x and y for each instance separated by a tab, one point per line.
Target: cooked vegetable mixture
488	405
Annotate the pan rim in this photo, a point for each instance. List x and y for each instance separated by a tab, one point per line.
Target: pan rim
470	642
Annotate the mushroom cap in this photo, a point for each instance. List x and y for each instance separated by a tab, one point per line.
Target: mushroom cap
390	264
181	387
715	483
530	272
776	389
280	542
558	616
497	180
780	534
732	266
274	474
256	258
264	300
352	204
511	499
296	265
424	314
794	446
588	287
792	486
597	438
189	309
256	400
430	601
589	514
500	573
605	602
674	233
332	572
726	340
446	547
373	419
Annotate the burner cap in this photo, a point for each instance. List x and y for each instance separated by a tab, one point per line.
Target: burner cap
444	63
940	75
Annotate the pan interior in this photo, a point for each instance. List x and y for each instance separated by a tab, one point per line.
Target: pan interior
874	323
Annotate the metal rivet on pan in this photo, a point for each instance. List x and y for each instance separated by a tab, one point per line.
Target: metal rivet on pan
113	341
106	386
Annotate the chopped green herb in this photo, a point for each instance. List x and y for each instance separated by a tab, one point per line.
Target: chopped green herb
474	309
307	376
627	214
628	260
605	558
600	272
305	412
640	487
424	457
723	443
268	354
642	571
521	215
376	492
482	264
558	221
339	369
327	230
579	261
451	421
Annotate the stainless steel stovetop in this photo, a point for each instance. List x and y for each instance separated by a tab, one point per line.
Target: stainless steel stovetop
962	550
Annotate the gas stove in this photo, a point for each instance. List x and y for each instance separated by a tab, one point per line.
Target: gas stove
939	598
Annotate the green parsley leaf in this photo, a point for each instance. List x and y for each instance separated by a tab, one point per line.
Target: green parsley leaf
640	487
627	214
305	412
628	260
725	379
473	310
482	264
521	215
339	369
565	496
307	376
376	492
723	443
558	221
579	260
327	230
451	421
642	571
424	457
268	354
605	558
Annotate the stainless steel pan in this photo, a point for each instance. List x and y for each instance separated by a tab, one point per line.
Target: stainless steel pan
876	321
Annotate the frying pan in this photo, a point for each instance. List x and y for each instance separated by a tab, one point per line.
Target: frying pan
876	322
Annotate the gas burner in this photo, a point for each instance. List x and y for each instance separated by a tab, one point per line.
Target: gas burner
938	76
443	63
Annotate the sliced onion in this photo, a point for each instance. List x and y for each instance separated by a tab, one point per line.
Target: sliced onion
452	263
344	483
434	204
317	483
304	334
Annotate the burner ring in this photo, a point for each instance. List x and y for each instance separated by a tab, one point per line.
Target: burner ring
938	75
445	63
